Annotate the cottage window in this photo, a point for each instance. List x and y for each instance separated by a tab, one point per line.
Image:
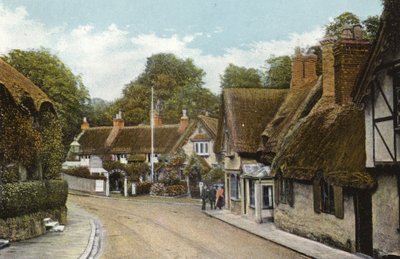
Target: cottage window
201	148
327	198
235	186
252	193
267	197
284	190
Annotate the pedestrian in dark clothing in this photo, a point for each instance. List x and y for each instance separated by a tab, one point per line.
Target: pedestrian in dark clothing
211	197
204	197
220	197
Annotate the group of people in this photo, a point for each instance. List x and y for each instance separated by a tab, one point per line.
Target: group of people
214	196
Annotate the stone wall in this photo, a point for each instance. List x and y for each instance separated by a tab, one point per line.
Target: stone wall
80	184
30	225
326	228
385	211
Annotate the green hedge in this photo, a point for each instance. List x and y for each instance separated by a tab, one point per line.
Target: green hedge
82	172
17	199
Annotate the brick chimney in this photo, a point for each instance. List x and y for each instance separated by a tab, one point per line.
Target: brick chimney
118	122
303	68
157	119
328	71
85	124
184	122
350	53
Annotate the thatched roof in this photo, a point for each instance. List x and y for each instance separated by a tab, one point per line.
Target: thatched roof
331	140
21	89
137	139
93	140
211	124
385	47
247	111
297	104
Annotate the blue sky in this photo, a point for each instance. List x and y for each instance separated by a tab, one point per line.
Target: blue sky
107	42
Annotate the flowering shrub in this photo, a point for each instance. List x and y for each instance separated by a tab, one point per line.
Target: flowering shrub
157	189
175	190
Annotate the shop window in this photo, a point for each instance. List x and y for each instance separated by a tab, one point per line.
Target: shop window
235	186
267	197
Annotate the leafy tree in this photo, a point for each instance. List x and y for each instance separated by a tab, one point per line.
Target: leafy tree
65	89
371	25
235	77
177	85
279	72
335	27
99	112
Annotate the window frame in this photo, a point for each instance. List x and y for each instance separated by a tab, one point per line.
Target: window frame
327	204
270	196
202	148
252	193
235	192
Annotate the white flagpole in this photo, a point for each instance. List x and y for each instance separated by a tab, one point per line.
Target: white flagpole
152	134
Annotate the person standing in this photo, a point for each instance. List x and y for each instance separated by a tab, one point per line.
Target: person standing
204	197
212	197
220	197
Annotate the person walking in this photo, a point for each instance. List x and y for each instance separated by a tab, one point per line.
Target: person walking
220	197
204	197
212	197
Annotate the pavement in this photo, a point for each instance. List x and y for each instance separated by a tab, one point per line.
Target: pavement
270	232
81	239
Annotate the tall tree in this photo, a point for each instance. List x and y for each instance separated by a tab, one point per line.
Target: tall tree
65	89
178	84
278	74
371	24
235	76
99	112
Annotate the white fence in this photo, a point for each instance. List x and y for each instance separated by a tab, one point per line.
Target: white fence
83	184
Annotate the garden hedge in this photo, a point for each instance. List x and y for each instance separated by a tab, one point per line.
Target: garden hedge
17	199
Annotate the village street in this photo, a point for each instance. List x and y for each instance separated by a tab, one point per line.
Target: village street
151	228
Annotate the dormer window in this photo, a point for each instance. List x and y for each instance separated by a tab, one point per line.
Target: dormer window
201	148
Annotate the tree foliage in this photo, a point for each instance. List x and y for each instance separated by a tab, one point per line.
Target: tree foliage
235	77
65	89
279	72
371	24
98	112
177	85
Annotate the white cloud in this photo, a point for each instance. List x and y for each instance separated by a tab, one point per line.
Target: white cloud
108	59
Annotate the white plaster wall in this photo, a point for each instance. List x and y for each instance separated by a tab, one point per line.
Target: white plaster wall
326	228
80	184
368	136
233	163
188	148
385	211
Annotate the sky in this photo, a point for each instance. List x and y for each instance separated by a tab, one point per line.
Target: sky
107	42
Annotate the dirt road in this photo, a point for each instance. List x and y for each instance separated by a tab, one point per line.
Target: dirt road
138	228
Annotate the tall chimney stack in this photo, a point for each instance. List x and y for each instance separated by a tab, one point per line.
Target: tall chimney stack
350	53
118	122
328	71
303	68
184	122
85	124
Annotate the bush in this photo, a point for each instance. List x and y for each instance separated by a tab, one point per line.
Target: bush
157	189
175	190
143	188
83	172
17	199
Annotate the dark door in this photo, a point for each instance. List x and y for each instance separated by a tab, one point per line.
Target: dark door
363	208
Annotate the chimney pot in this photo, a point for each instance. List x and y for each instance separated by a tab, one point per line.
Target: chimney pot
85	124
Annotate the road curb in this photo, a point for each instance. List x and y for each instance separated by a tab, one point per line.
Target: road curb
90	244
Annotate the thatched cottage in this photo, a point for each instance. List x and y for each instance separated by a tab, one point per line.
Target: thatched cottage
245	113
30	151
321	182
378	91
130	144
